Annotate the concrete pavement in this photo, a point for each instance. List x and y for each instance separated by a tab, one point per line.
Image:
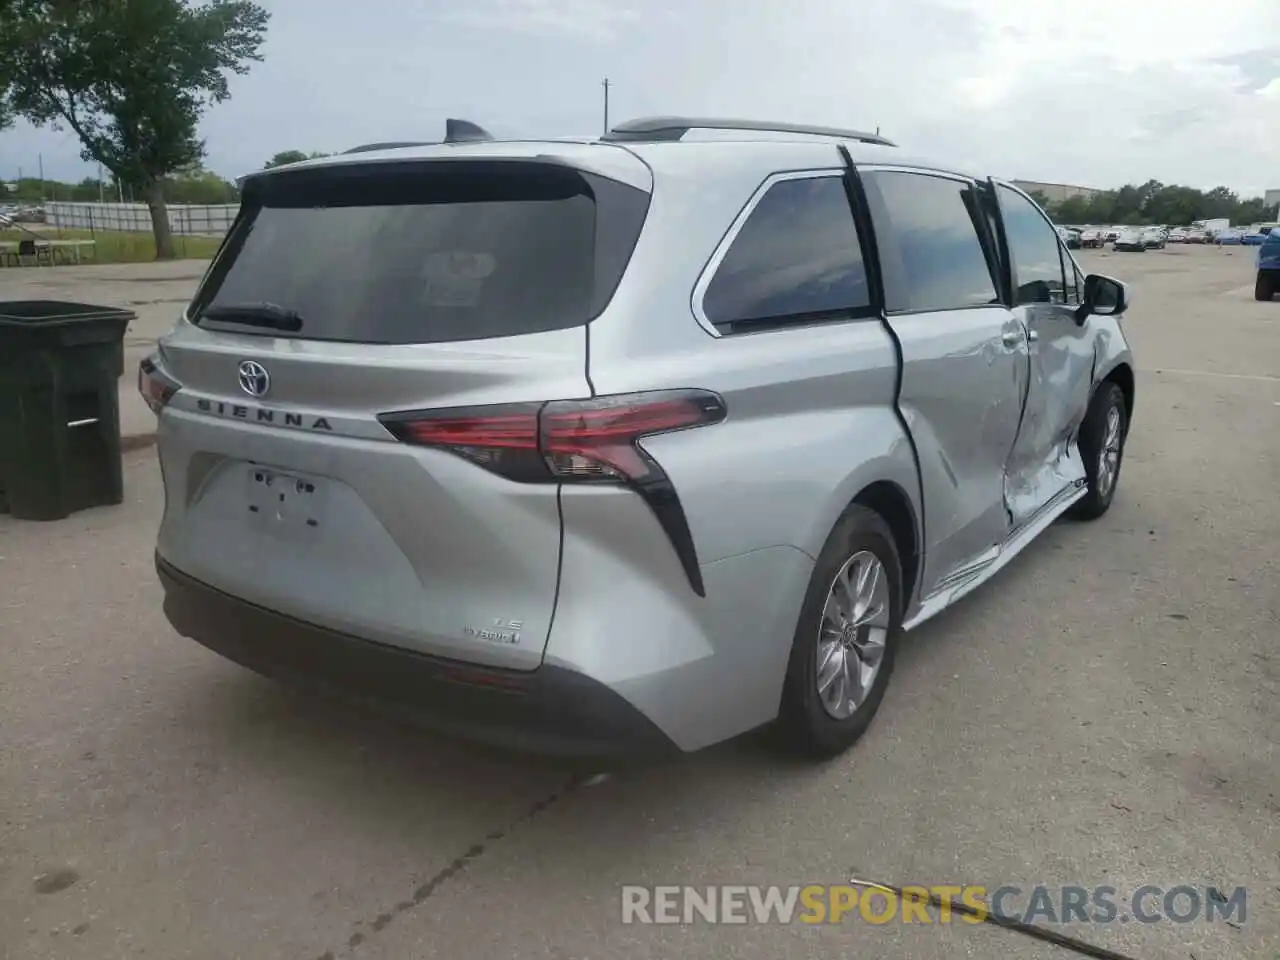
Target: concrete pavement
1104	713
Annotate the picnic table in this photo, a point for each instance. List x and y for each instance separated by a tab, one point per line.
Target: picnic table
72	251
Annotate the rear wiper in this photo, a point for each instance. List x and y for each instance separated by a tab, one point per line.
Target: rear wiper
260	314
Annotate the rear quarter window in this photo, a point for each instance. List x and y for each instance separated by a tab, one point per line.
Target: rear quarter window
796	259
426	252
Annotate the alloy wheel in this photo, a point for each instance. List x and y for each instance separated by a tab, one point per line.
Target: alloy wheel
1109	455
852	634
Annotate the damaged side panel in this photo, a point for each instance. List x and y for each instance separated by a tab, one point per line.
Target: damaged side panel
1045	459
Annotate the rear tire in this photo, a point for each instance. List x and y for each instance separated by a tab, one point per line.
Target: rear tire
1264	288
1102	439
821	722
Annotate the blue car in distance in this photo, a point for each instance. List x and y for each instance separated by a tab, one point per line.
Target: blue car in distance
1268	282
1229	237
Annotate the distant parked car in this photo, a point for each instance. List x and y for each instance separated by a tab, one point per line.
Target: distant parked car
1177	235
29	214
1092	238
1196	236
1132	238
1229	238
1154	238
1268	283
1254	239
1112	234
1071	238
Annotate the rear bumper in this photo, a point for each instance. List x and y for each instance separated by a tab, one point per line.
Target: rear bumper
549	710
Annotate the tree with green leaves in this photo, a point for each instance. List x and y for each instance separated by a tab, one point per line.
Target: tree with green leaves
291	156
1072	210
1041	199
1155	202
131	78
199	186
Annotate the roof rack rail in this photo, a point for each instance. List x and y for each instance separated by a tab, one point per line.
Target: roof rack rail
387	145
654	129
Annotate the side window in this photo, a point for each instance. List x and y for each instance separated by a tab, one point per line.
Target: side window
930	248
1036	251
795	259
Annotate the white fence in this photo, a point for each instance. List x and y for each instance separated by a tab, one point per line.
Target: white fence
184	218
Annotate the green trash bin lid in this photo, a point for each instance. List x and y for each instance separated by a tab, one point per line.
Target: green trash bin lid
41	324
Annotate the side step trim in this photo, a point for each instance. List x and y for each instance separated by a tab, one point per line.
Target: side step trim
1014	544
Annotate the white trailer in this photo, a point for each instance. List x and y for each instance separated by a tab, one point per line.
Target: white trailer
1212	227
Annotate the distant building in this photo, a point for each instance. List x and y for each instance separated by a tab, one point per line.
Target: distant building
1057	192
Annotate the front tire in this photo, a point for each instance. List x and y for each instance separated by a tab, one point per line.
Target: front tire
1264	288
843	650
1102	439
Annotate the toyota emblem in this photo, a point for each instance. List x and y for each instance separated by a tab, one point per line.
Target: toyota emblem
254	379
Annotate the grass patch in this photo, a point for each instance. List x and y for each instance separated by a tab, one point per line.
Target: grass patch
121	247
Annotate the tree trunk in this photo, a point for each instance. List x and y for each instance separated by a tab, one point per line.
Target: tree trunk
160	220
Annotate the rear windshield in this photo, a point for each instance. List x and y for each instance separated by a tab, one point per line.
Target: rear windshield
422	253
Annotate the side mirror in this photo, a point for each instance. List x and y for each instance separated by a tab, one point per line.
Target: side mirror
1104	296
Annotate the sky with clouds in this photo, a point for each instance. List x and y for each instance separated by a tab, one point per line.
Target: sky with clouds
1094	92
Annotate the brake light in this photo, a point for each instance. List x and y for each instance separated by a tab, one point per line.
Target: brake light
157	388
564	440
576	441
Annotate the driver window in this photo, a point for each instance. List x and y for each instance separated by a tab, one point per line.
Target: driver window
1035	249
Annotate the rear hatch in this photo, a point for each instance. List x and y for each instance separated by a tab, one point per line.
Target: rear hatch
350	292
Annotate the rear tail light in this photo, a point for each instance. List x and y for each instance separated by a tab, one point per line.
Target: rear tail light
564	440
575	441
156	387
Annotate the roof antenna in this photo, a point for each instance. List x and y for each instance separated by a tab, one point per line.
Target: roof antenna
464	131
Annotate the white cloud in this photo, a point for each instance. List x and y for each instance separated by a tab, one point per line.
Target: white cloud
1092	91
597	20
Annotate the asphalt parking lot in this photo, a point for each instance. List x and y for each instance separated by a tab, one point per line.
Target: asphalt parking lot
1106	713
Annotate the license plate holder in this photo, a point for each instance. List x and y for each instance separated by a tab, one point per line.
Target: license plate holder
283	504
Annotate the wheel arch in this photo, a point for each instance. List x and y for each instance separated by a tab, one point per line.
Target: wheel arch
892	504
1122	376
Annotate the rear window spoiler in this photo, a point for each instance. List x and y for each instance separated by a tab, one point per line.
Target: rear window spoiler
607	161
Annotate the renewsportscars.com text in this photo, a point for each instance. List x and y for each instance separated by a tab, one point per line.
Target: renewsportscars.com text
940	903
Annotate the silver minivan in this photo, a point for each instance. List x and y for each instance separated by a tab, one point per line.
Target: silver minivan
629	444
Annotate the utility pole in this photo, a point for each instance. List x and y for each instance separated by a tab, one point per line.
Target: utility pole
100	185
606	85
40	157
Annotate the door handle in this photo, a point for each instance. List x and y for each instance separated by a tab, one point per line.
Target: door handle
1011	338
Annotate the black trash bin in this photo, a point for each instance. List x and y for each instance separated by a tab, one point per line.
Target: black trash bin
60	365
